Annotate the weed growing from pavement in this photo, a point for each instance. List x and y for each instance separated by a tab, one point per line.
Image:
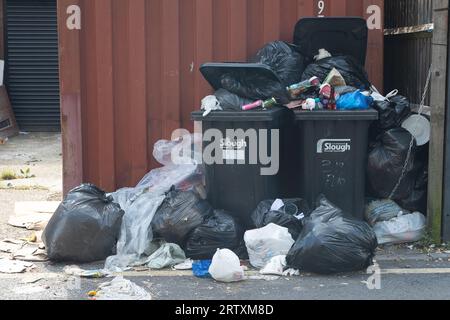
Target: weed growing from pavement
7	175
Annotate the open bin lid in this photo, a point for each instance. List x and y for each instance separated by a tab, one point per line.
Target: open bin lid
275	113
213	71
338	35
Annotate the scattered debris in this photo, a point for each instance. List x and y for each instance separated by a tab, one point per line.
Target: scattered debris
186	265
14	266
78	272
120	289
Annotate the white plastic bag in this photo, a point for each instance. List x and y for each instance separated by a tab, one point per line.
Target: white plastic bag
226	267
268	242
403	229
275	266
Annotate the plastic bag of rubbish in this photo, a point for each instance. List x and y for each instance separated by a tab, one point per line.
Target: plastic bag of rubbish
283	59
382	210
200	268
254	86
136	238
288	213
418	198
84	228
168	255
325	210
226	267
179	214
265	243
353	73
333	245
354	101
403	229
391	165
391	112
221	230
230	101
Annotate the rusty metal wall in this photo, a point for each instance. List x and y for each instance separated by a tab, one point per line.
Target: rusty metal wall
130	75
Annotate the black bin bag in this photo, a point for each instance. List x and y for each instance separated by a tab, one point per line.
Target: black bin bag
284	217
387	161
283	59
179	214
220	231
353	73
85	227
392	113
332	243
230	101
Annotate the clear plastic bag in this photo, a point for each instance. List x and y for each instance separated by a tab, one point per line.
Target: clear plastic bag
265	243
141	203
403	229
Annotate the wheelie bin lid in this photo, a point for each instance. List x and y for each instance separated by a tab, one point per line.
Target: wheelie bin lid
338	35
274	113
332	115
213	71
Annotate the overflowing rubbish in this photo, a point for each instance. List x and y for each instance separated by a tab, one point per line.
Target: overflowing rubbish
352	72
219	231
382	210
226	267
265	243
277	266
120	289
84	228
331	243
297	89
179	214
254	86
405	228
230	101
286	213
200	268
354	101
283	59
260	103
168	255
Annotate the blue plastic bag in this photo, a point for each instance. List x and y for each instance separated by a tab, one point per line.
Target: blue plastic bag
354	101
200	268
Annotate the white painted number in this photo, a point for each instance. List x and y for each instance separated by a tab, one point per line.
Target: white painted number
321	6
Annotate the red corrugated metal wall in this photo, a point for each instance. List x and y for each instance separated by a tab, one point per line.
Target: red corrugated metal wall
130	76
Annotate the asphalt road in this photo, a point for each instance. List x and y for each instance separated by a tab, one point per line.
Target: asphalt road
399	280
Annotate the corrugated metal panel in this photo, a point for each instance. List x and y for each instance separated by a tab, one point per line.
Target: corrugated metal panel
130	76
32	63
405	13
408	56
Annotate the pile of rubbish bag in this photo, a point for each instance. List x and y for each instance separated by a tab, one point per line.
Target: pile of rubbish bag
398	159
166	220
